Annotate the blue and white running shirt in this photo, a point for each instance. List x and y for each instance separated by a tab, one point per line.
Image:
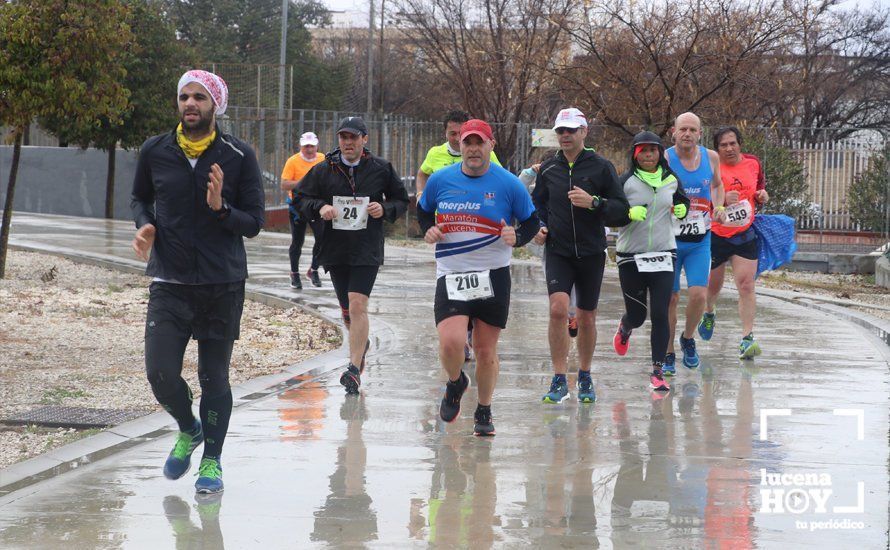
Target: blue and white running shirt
469	211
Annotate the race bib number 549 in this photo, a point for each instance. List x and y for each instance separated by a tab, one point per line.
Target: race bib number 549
739	214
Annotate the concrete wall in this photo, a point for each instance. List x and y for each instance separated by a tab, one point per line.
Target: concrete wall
882	272
833	262
68	180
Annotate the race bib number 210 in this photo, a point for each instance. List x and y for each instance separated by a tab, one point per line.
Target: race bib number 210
465	287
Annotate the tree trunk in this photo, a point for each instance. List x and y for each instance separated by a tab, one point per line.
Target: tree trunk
10	196
109	183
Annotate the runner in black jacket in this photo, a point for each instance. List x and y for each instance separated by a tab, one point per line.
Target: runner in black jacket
575	192
196	194
353	191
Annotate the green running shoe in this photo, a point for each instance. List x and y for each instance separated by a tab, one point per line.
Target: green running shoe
180	458
748	348
209	476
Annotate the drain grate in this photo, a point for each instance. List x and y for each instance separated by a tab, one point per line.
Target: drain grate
72	417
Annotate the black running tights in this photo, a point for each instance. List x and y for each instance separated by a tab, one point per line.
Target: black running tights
635	286
163	365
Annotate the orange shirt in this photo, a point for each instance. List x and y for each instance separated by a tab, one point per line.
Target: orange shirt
297	167
742	178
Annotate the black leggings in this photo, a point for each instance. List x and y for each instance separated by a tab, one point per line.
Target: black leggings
298	236
634	286
163	366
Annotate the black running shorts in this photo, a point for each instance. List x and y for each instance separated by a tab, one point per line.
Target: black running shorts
202	312
584	273
352	278
743	245
493	311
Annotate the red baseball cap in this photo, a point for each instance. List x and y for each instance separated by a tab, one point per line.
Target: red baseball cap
478	127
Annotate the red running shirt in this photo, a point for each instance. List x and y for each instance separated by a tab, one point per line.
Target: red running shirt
742	178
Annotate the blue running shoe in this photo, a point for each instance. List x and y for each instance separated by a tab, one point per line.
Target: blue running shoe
748	348
668	369
180	458
209	476
690	356
559	390
585	387
706	325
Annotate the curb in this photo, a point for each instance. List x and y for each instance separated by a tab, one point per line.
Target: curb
878	329
147	428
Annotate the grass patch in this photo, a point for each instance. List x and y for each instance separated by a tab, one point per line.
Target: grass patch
55	396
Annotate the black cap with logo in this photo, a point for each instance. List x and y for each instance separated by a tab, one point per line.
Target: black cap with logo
353	125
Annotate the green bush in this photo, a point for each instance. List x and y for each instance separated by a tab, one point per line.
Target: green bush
870	193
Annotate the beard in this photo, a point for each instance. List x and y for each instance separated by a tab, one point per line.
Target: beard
199	126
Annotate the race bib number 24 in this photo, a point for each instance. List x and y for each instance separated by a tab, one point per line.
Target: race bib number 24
352	213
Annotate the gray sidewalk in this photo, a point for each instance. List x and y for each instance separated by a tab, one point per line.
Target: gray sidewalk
306	466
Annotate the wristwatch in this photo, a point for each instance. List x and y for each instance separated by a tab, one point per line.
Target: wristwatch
223	212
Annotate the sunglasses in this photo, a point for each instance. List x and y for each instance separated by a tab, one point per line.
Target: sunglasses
561	131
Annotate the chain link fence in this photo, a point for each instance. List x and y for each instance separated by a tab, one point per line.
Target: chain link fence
829	166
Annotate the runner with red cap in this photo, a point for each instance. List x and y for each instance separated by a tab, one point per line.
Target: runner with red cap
468	210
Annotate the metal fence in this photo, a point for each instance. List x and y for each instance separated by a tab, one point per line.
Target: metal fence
830	165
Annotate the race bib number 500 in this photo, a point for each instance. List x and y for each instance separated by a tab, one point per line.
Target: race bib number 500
465	287
352	213
654	261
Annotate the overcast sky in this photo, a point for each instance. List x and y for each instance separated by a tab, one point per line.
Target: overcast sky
361	6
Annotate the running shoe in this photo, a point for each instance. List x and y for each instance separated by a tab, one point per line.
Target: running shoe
706	325
449	409
313	277
668	368
351	379
346	320
690	356
656	379
209	476
180	458
484	426
573	326
748	348
559	390
621	340
586	394
295	281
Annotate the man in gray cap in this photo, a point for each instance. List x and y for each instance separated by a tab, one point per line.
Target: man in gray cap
353	191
